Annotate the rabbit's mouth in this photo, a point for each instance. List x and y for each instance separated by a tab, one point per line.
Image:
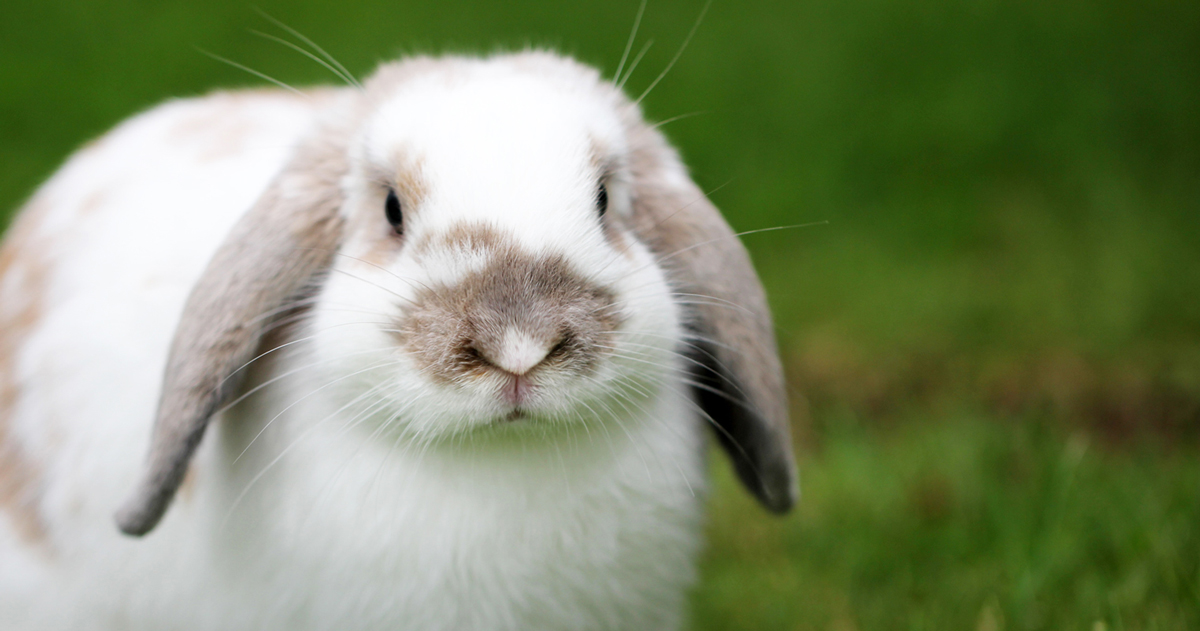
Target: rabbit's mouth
517	389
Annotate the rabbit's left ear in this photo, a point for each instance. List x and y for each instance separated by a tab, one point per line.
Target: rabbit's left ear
269	258
739	381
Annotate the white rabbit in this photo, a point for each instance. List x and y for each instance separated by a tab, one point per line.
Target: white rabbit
490	316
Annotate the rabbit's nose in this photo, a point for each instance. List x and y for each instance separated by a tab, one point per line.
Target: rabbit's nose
516	352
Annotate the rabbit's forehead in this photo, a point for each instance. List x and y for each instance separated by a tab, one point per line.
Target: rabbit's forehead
497	150
500	113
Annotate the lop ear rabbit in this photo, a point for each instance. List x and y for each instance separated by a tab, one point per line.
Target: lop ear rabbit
457	334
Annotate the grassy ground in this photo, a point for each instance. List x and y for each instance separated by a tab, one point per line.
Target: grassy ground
992	344
966	522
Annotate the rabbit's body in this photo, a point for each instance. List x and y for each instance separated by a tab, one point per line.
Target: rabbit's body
501	536
372	478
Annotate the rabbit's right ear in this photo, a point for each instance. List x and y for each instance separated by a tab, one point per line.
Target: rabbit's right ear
738	381
269	258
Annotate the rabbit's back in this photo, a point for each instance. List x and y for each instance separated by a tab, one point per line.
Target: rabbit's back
94	272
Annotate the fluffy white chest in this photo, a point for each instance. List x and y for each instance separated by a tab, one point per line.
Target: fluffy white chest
570	531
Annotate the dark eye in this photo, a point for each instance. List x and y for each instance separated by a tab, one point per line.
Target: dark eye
392	209
602	200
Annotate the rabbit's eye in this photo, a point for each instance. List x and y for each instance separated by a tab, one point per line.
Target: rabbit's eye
392	209
602	200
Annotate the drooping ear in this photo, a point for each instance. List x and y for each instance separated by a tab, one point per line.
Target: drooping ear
268	258
739	379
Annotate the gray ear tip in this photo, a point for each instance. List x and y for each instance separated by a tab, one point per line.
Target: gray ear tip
781	497
783	503
136	518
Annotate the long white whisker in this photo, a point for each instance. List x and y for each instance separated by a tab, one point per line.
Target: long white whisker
361	416
356	277
743	403
686	41
298	341
622	398
712	301
713	423
398	277
629	44
268	382
693	246
675	118
636	60
249	485
253	72
305	397
347	79
300	36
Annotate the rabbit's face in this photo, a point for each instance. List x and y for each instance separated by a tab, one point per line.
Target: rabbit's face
493	240
489	275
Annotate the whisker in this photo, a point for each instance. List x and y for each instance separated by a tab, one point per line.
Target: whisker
622	397
311	56
359	417
300	36
711	301
398	277
674	461
686	41
247	394
621	425
253	72
712	422
633	66
675	118
387	271
629	44
356	277
742	403
305	397
667	257
703	195
249	485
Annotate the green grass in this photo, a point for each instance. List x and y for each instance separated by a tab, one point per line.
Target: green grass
960	523
993	342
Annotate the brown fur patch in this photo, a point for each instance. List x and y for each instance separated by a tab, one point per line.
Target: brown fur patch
93	201
410	183
23	275
468	238
188	486
452	331
372	226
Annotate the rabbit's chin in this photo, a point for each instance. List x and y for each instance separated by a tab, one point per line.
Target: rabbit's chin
456	413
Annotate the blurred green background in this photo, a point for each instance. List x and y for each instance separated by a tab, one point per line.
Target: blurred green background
993	343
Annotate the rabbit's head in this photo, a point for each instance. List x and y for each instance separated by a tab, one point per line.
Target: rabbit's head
485	246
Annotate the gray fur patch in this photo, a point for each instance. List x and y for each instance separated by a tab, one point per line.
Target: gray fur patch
451	331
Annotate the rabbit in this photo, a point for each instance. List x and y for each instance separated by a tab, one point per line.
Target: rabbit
443	351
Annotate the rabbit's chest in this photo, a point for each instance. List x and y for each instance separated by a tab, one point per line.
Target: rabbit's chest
604	531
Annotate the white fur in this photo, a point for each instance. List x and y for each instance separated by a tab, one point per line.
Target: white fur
354	492
519	352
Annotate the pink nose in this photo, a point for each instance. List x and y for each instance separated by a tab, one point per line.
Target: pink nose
518	352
